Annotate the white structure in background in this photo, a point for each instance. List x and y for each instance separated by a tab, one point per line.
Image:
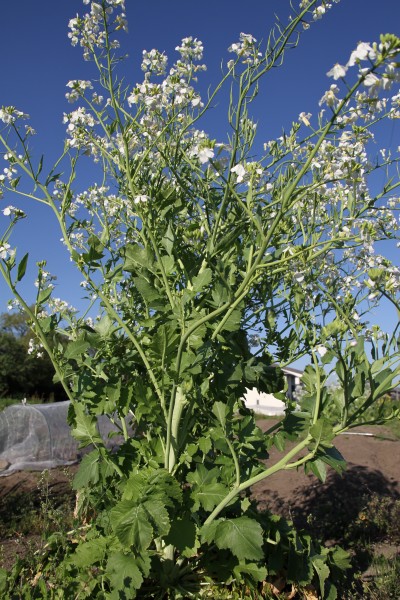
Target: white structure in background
267	404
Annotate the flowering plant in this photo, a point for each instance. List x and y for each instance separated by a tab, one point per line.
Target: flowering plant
211	271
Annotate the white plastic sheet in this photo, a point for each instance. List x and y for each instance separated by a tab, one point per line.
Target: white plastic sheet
37	437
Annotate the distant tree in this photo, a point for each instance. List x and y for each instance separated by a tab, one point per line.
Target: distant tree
23	374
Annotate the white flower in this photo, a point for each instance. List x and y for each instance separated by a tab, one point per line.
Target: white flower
205	154
5	251
337	71
304	117
371	80
140	199
362	52
299	277
321	350
240	172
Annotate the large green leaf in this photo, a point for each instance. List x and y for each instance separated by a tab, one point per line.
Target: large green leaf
207	491
124	574
136	257
182	535
89	553
158	515
131	525
242	536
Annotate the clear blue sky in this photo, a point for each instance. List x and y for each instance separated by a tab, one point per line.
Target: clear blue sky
37	60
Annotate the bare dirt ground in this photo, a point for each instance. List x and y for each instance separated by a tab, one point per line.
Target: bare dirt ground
373	468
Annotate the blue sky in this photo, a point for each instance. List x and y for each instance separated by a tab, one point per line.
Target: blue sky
37	60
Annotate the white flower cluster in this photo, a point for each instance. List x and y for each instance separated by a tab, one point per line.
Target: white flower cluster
81	131
35	348
88	30
9	114
246	49
154	62
12	211
78	89
371	80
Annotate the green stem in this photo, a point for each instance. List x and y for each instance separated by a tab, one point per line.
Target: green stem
281	464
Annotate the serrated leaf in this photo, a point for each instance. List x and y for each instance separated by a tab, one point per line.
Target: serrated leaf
146	289
242	536
322	432
76	349
104	327
202	280
135	257
206	490
88	471
89	553
124	574
131	525
250	571
22	267
205	444
334	459
220	410
158	515
85	430
322	571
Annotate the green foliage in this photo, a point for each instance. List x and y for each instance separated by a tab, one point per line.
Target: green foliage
199	257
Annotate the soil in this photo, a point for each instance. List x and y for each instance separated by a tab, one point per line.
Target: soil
373	468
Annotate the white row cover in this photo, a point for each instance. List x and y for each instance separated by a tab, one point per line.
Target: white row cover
37	436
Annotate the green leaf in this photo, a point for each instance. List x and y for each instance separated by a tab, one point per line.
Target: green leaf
202	280
22	267
334	459
89	553
44	295
322	571
88	471
124	574
168	240
131	525
221	411
104	327
250	571
3	580
206	490
135	257
318	467
85	429
205	444
242	536
146	289
76	349
182	535
322	432
158	515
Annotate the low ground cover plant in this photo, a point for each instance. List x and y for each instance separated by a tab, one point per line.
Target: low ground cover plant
210	269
